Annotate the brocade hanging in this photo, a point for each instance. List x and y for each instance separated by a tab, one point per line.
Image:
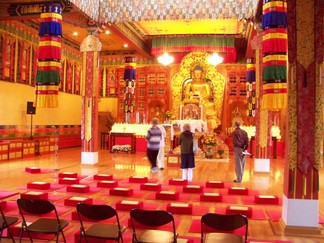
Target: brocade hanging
274	48
250	88
129	77
49	56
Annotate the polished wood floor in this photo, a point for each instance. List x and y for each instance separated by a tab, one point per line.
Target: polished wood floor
14	178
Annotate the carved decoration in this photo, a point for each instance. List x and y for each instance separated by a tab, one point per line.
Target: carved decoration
90	43
187	63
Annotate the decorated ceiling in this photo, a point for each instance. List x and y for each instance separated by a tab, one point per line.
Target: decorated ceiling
141	25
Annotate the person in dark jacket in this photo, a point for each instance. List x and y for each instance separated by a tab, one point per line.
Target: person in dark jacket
186	139
241	143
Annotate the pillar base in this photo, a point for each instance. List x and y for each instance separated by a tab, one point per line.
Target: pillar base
307	216
89	158
299	230
262	165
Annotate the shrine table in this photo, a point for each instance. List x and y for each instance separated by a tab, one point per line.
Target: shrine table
113	136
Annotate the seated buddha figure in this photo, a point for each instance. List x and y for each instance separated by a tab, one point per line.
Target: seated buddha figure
199	90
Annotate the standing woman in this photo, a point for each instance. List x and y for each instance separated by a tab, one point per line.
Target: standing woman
186	139
153	138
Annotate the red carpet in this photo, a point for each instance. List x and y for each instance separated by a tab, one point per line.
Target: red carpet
269	241
6	194
275	216
250	200
256	213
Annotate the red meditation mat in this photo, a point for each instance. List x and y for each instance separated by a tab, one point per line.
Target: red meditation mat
197	210
92	190
183	197
6	194
250	200
136	194
256	213
229	199
224	191
42	171
275	216
53	187
195	227
270	241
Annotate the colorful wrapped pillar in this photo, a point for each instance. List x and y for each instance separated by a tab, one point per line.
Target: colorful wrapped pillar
49	57
274	49
250	87
129	77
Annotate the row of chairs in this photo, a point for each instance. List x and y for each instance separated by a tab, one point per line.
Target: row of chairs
144	224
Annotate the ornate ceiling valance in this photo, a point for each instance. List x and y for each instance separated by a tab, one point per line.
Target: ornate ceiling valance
112	11
224	46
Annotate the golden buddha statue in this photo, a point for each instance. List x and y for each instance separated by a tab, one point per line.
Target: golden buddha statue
199	90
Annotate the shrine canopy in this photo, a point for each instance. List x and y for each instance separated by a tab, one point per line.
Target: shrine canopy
112	11
180	46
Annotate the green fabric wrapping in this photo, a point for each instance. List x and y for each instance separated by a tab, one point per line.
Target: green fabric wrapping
48	77
275	73
190	41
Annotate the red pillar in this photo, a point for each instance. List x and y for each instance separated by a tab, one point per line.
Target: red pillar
305	116
89	124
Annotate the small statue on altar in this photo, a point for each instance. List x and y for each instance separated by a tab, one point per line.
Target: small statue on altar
191	113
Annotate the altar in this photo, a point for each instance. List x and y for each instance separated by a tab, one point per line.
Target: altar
132	136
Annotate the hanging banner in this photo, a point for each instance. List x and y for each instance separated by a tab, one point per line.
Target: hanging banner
49	57
274	49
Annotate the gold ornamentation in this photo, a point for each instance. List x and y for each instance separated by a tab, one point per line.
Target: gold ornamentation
90	43
319	120
188	62
263	128
292	121
88	119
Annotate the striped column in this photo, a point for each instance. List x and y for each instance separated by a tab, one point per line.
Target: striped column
129	77
274	24
49	57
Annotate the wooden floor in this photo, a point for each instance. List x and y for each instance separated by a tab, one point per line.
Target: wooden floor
122	166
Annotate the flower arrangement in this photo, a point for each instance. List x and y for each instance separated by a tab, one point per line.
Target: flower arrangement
168	114
209	141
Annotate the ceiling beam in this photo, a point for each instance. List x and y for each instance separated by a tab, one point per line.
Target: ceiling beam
139	44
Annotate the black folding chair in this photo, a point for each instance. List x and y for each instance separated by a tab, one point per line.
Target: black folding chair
42	225
221	223
145	222
5	223
100	230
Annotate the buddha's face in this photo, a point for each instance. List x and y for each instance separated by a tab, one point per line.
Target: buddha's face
197	74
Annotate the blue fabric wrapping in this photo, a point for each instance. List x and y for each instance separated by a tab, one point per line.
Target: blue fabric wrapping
250	76
274	19
129	74
50	29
